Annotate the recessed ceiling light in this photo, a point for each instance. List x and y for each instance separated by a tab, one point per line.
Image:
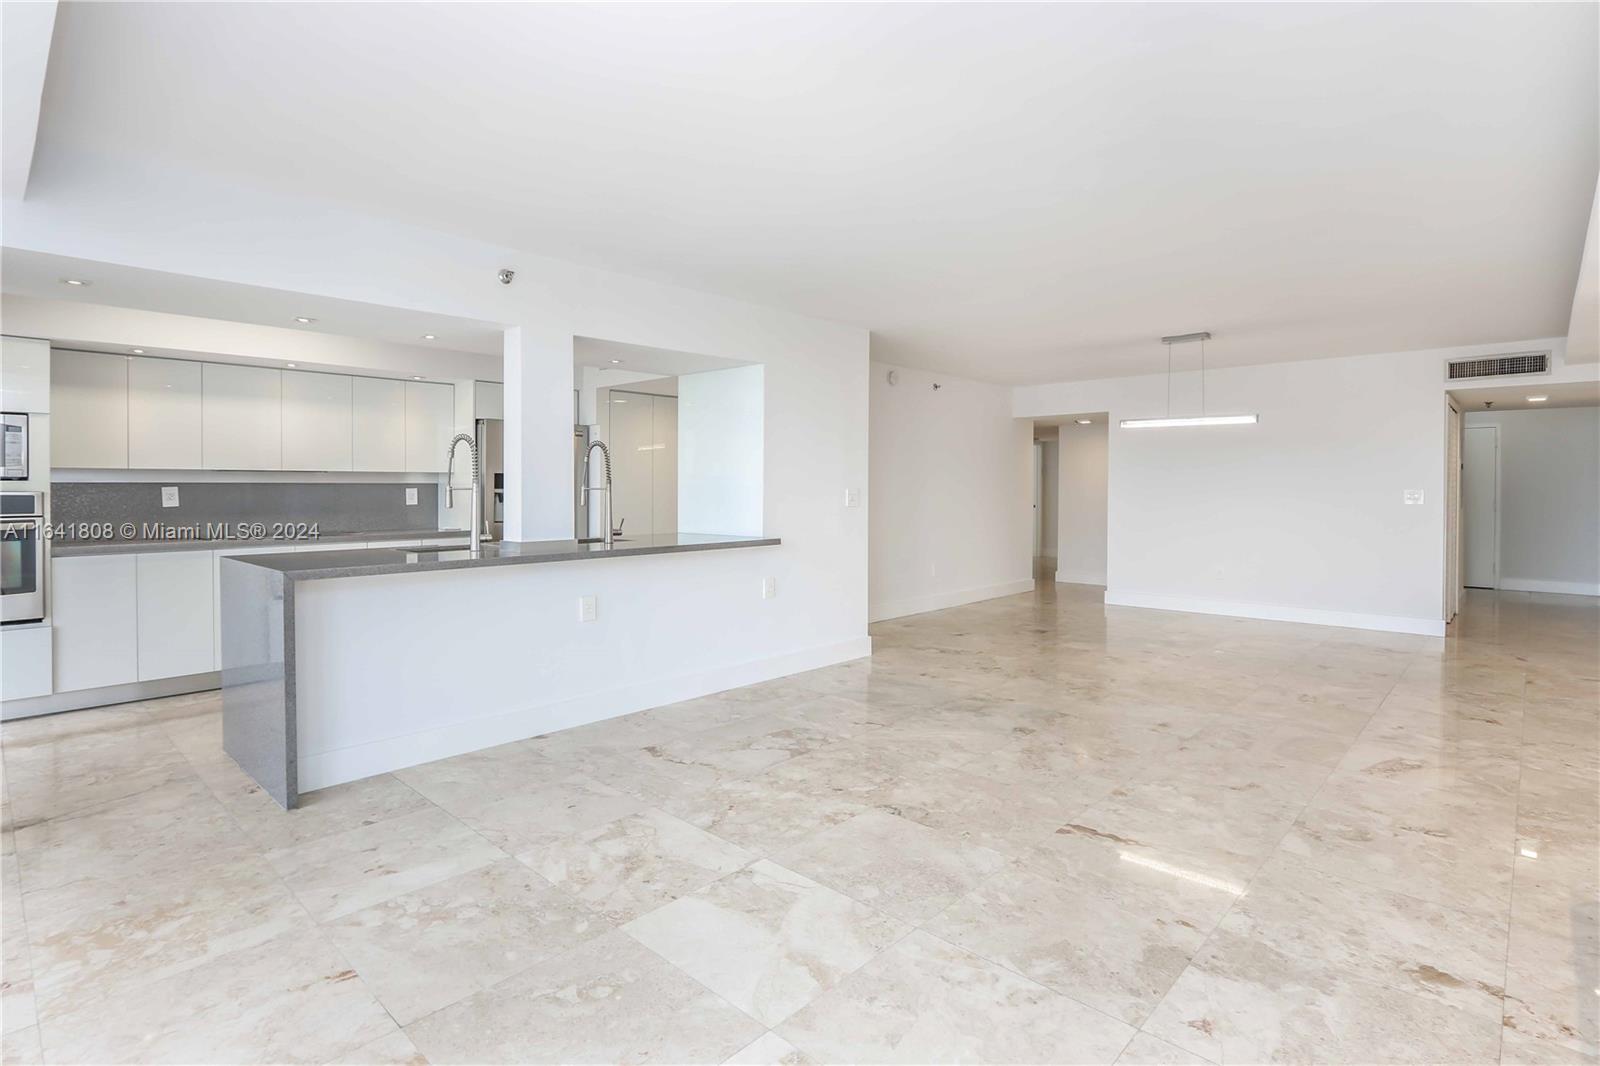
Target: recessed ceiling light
416	377
80	282
1084	421
136	351
1538	399
289	365
614	362
429	337
303	320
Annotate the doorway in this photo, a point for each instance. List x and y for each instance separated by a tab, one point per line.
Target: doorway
1480	507
1046	497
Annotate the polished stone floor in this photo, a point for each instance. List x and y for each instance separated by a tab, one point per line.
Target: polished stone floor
1028	830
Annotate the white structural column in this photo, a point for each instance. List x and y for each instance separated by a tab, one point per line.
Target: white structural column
538	434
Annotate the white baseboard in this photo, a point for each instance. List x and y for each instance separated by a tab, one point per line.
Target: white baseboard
1428	627
1081	578
324	769
1561	588
882	612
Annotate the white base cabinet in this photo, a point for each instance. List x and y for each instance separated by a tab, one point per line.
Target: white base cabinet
175	614
94	607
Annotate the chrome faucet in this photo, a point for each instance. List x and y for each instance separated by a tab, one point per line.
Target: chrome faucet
607	490
477	486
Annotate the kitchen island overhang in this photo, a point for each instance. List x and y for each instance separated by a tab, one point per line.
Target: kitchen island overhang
341	665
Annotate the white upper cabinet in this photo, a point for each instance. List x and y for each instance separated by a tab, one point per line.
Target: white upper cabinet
243	417
89	410
317	421
25	375
164	415
430	423
378	429
488	399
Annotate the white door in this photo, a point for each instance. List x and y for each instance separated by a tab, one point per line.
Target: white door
1480	506
1452	535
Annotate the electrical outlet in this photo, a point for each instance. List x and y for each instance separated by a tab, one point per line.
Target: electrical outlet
1413	496
586	609
411	497
852	497
169	495
769	587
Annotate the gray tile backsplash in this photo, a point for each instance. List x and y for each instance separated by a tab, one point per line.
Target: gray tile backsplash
335	508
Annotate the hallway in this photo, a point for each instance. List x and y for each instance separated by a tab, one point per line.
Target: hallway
1032	829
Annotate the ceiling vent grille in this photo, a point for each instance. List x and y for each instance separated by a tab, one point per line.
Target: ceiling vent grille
1497	366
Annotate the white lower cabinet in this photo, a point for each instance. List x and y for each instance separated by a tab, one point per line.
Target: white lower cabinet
175	608
25	660
94	607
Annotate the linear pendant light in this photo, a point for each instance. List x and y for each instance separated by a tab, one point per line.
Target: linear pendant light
1202	419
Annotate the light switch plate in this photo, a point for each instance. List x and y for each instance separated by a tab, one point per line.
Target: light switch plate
852	497
169	495
586	609
411	497
1413	496
769	587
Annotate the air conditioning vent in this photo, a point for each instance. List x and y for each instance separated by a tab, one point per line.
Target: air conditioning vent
1498	366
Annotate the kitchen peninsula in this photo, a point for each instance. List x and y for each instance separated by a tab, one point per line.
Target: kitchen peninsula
341	665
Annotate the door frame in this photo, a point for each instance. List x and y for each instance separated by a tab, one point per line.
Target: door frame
1454	425
1497	508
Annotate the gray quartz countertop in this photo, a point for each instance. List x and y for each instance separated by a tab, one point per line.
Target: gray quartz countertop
302	566
63	549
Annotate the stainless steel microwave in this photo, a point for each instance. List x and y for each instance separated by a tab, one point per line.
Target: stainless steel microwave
21	557
14	444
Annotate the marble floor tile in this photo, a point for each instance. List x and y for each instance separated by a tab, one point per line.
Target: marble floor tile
892	864
156	930
1147	1050
610	1000
766	939
291	999
634	864
20	1046
1240	1001
927	1001
343	873
768	1049
427	949
767	812
1258	841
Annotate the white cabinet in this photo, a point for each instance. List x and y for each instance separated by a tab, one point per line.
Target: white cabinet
664	464
25	658
88	410
243	417
164	414
316	421
488	399
430	423
216	592
175	614
94	608
378	432
25	375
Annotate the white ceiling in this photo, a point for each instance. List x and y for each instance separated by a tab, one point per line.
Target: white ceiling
1020	193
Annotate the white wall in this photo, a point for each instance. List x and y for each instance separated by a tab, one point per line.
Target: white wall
1081	544
1549	498
721	451
1300	517
952	507
1049	496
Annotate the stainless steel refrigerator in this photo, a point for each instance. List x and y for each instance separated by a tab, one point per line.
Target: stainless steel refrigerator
492	454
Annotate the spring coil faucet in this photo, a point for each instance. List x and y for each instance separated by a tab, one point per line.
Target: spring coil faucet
477	485
587	455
